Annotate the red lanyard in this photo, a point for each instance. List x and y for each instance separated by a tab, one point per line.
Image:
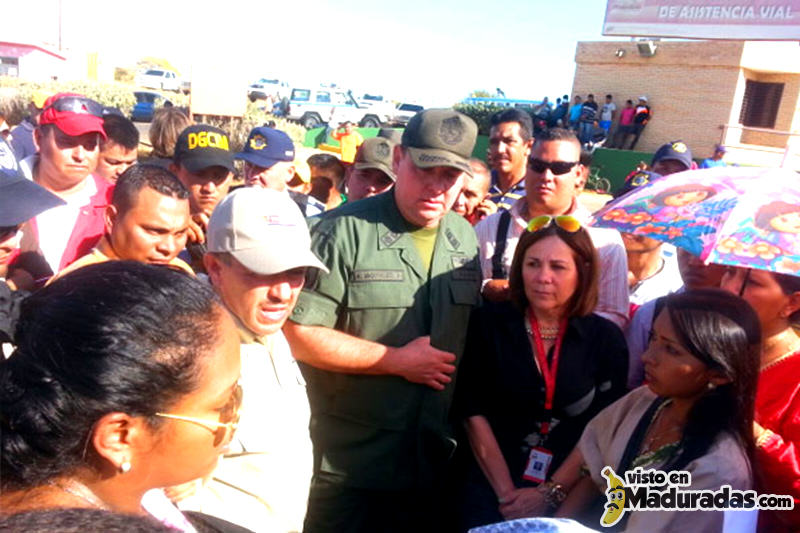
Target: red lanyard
549	371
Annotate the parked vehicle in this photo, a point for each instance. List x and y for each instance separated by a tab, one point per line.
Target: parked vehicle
146	104
157	78
315	107
264	87
403	113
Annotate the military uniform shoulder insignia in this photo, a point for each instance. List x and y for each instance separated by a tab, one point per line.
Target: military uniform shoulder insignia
454	242
390	238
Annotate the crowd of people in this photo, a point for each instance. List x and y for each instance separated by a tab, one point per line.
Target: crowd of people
413	340
593	122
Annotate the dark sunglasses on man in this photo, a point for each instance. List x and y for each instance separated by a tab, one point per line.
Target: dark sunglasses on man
556	167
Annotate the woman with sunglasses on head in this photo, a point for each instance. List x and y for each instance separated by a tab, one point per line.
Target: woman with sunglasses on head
125	379
695	414
535	371
776	300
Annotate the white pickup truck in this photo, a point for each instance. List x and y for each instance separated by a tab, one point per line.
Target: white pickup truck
315	107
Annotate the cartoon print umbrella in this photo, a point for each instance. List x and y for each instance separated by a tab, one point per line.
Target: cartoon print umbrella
739	216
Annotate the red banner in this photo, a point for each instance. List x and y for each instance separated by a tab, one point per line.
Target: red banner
705	19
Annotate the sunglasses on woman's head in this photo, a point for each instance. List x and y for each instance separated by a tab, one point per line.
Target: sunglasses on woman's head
566	222
229	418
556	167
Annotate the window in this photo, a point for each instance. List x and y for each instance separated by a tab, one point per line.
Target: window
301	95
760	104
341	99
323	97
9	66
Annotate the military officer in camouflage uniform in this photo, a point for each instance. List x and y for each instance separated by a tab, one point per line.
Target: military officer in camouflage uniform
382	332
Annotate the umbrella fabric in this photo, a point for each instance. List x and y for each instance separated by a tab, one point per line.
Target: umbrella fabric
739	216
22	199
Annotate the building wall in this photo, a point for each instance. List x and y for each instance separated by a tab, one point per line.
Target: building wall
690	86
40	66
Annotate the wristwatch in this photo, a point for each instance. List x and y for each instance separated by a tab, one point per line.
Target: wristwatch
554	494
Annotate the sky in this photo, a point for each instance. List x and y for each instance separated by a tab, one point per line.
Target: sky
433	52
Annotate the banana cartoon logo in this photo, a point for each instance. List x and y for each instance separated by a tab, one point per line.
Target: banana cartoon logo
615	508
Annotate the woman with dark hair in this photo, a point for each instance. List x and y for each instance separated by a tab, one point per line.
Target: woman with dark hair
125	379
695	413
535	371
776	299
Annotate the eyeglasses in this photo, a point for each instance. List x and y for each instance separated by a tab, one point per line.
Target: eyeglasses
77	104
229	418
556	167
566	222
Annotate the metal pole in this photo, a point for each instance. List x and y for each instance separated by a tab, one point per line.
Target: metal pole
59	25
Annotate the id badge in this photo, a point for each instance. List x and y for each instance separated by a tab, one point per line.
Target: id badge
539	461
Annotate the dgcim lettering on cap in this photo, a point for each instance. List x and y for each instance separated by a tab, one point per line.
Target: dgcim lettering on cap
204	139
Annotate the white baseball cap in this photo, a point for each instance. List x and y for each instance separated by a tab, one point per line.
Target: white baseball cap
264	230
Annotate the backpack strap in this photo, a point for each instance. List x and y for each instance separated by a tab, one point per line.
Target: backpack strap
498	272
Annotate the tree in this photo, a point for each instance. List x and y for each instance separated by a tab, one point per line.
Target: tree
154	62
480	93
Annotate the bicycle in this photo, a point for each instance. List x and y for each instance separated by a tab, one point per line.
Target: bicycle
596	182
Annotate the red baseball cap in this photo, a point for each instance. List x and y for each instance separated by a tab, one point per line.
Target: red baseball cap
74	114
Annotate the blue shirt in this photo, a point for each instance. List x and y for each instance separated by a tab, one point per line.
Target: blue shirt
22	140
575	112
505	200
710	163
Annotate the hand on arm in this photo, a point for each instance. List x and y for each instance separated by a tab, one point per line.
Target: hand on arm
333	350
580	488
197	228
485	208
529	502
496	290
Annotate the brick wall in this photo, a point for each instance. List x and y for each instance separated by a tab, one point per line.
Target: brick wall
691	86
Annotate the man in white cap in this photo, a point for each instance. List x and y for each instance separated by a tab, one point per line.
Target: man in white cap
258	252
641	116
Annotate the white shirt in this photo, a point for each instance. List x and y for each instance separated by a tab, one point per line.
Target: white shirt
666	280
613	268
270	456
607	111
55	225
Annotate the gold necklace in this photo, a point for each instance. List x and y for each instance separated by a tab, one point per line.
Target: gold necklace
790	352
79	490
654	434
548	333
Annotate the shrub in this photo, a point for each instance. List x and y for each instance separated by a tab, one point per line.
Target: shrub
15	94
239	128
480	113
125	75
